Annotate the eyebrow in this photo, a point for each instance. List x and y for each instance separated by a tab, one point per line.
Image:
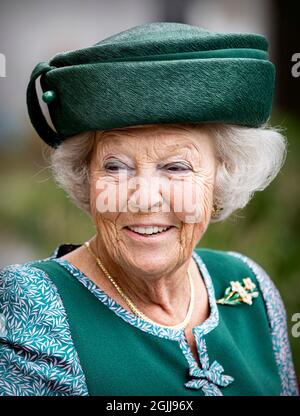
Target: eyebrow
171	154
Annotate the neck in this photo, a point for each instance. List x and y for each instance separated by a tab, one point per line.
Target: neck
164	298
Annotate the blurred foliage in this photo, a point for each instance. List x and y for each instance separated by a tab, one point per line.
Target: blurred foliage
33	208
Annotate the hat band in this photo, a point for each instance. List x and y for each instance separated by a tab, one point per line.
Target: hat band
248	53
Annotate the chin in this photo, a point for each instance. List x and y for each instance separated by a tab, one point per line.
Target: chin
152	263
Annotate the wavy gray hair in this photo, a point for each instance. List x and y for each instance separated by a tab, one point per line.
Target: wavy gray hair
248	160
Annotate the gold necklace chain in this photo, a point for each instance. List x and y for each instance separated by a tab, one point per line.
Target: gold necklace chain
132	306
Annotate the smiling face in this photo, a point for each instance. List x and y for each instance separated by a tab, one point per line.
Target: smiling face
151	195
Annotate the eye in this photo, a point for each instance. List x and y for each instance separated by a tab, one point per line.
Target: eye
177	167
115	166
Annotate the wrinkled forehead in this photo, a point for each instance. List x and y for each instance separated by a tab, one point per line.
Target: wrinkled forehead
158	140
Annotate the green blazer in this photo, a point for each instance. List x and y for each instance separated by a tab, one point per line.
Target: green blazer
82	342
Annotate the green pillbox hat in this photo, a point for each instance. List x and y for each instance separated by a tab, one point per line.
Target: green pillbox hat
154	73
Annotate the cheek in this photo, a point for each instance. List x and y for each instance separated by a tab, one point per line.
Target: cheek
192	198
190	235
109	195
104	206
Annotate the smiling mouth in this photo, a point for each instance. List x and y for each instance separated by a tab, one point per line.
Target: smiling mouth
149	231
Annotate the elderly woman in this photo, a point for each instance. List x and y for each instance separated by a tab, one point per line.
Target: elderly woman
159	131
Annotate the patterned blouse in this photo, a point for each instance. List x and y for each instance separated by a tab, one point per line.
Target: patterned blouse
38	356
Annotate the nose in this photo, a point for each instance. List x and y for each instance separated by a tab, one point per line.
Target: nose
145	194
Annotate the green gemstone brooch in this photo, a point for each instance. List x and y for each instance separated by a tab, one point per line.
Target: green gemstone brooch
237	293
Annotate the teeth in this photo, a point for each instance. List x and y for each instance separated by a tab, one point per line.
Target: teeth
148	230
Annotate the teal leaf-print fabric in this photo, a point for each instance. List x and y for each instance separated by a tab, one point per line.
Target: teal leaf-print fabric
208	377
37	355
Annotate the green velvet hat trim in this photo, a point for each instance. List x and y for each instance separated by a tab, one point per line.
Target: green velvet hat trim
154	73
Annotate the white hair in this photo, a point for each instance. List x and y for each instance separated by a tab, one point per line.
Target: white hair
248	161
